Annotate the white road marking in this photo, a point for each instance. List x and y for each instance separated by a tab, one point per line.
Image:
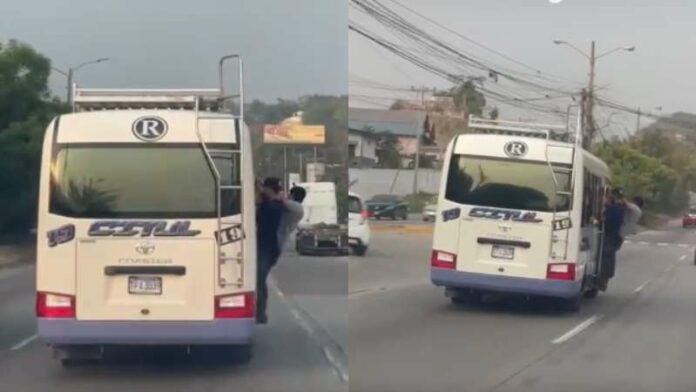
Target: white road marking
576	330
641	287
682	258
23	343
662	244
644	243
332	350
683	245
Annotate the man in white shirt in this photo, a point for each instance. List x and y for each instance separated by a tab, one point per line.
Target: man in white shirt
631	216
292	216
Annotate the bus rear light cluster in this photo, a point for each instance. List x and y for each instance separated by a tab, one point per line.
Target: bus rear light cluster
52	305
560	271
240	305
440	259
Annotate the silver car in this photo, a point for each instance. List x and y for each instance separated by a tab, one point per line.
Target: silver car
429	212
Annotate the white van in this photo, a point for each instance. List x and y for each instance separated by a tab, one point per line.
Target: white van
146	225
319	231
519	211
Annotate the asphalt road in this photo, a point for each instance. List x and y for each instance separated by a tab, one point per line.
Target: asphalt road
301	349
638	336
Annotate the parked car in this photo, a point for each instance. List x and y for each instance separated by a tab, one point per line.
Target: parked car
358	225
689	218
387	206
429	212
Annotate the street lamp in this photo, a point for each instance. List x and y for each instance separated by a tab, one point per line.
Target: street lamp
592	57
71	71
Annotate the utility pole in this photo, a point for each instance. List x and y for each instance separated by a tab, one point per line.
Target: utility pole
419	133
590	125
638	121
589	129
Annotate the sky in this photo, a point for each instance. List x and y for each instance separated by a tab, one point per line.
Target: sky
290	48
658	74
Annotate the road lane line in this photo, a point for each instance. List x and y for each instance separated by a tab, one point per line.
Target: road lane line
576	330
682	258
644	243
641	287
662	244
23	343
332	350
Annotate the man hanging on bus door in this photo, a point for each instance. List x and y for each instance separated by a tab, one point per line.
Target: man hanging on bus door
268	219
613	220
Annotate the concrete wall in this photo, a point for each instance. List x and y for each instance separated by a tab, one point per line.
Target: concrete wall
379	181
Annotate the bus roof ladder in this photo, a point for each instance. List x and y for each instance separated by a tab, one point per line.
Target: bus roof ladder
559	216
222	223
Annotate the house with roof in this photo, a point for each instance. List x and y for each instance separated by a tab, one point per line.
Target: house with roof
367	127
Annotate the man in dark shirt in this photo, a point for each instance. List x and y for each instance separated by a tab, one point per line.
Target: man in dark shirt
613	221
268	218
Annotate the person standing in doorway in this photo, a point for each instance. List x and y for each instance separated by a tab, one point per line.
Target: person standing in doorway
268	220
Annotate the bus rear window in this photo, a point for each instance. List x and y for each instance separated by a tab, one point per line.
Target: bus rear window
127	181
499	183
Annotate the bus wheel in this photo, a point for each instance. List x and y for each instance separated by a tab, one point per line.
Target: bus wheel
592	293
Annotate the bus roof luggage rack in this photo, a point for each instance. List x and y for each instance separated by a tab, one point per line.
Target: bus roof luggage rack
558	133
92	99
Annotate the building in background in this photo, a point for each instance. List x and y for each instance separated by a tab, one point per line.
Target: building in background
362	148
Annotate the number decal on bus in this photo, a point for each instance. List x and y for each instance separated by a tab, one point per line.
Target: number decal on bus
229	235
61	235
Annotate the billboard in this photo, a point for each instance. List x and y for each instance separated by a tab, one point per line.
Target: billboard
294	134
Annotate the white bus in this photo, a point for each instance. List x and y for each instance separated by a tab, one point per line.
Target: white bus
146	226
519	211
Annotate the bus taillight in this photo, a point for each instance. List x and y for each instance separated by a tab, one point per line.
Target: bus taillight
52	305
440	259
241	305
560	271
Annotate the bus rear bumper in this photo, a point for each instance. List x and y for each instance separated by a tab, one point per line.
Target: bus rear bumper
220	331
505	284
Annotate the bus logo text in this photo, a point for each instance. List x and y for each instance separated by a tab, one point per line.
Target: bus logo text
141	228
506	215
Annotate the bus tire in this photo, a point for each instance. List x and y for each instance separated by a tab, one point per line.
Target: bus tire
359	250
592	293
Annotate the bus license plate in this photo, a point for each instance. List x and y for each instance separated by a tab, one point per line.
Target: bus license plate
148	285
503	252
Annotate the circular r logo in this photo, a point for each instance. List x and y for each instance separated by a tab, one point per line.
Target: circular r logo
149	129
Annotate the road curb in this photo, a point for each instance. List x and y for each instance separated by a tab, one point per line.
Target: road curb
403	229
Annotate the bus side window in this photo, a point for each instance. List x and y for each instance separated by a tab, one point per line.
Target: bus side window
586	199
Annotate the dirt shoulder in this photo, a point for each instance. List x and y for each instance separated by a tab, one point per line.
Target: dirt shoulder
16	254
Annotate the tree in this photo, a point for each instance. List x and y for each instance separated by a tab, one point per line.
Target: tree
23	82
641	175
388	152
468	99
26	108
